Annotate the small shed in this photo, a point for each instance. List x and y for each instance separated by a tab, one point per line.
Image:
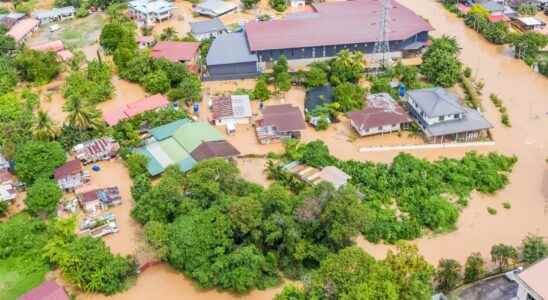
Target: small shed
529	24
203	30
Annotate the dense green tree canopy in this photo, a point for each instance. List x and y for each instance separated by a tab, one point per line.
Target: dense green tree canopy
37	159
474	267
534	248
347	67
43	197
448	275
349	96
37	66
441	65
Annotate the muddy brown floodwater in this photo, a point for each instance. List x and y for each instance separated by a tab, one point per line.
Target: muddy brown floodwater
523	92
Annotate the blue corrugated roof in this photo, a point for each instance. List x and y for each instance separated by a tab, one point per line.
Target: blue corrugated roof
187	164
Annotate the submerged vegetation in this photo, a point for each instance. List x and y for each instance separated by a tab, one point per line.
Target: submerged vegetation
403	199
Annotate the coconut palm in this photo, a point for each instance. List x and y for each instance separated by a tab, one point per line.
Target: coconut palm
43	127
168	34
82	115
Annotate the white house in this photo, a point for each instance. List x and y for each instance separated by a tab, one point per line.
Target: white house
203	30
381	115
232	110
150	11
70	176
442	117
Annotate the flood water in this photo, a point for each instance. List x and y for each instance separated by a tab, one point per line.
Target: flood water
524	93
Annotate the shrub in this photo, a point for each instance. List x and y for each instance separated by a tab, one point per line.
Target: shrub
448	275
505	119
506	205
474	268
534	248
491	211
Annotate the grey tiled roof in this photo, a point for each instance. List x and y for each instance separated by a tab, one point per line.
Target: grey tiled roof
213	25
230	48
472	121
436	102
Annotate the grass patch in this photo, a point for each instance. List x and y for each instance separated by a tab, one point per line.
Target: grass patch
18	275
491	211
507	205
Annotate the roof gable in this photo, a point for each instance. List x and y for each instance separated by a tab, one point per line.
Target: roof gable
436	102
191	135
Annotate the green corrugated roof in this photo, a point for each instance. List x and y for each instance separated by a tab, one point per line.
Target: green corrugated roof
173	150
191	135
165	131
153	166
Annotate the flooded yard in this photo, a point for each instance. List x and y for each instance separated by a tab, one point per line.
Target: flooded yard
75	33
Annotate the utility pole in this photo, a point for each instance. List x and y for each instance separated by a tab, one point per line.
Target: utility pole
381	50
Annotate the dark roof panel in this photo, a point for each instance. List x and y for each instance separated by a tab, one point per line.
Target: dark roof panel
214	149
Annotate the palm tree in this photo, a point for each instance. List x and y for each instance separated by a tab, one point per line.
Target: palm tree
44	128
168	34
81	115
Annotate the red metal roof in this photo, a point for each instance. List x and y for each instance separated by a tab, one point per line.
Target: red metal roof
335	23
175	51
22	28
48	290
69	168
133	109
380	111
54	46
283	117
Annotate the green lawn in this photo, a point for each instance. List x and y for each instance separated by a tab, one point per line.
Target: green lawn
19	275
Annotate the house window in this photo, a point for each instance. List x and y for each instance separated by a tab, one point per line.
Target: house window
441	118
457	116
380	127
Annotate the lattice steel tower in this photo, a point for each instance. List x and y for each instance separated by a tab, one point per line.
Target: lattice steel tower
381	50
